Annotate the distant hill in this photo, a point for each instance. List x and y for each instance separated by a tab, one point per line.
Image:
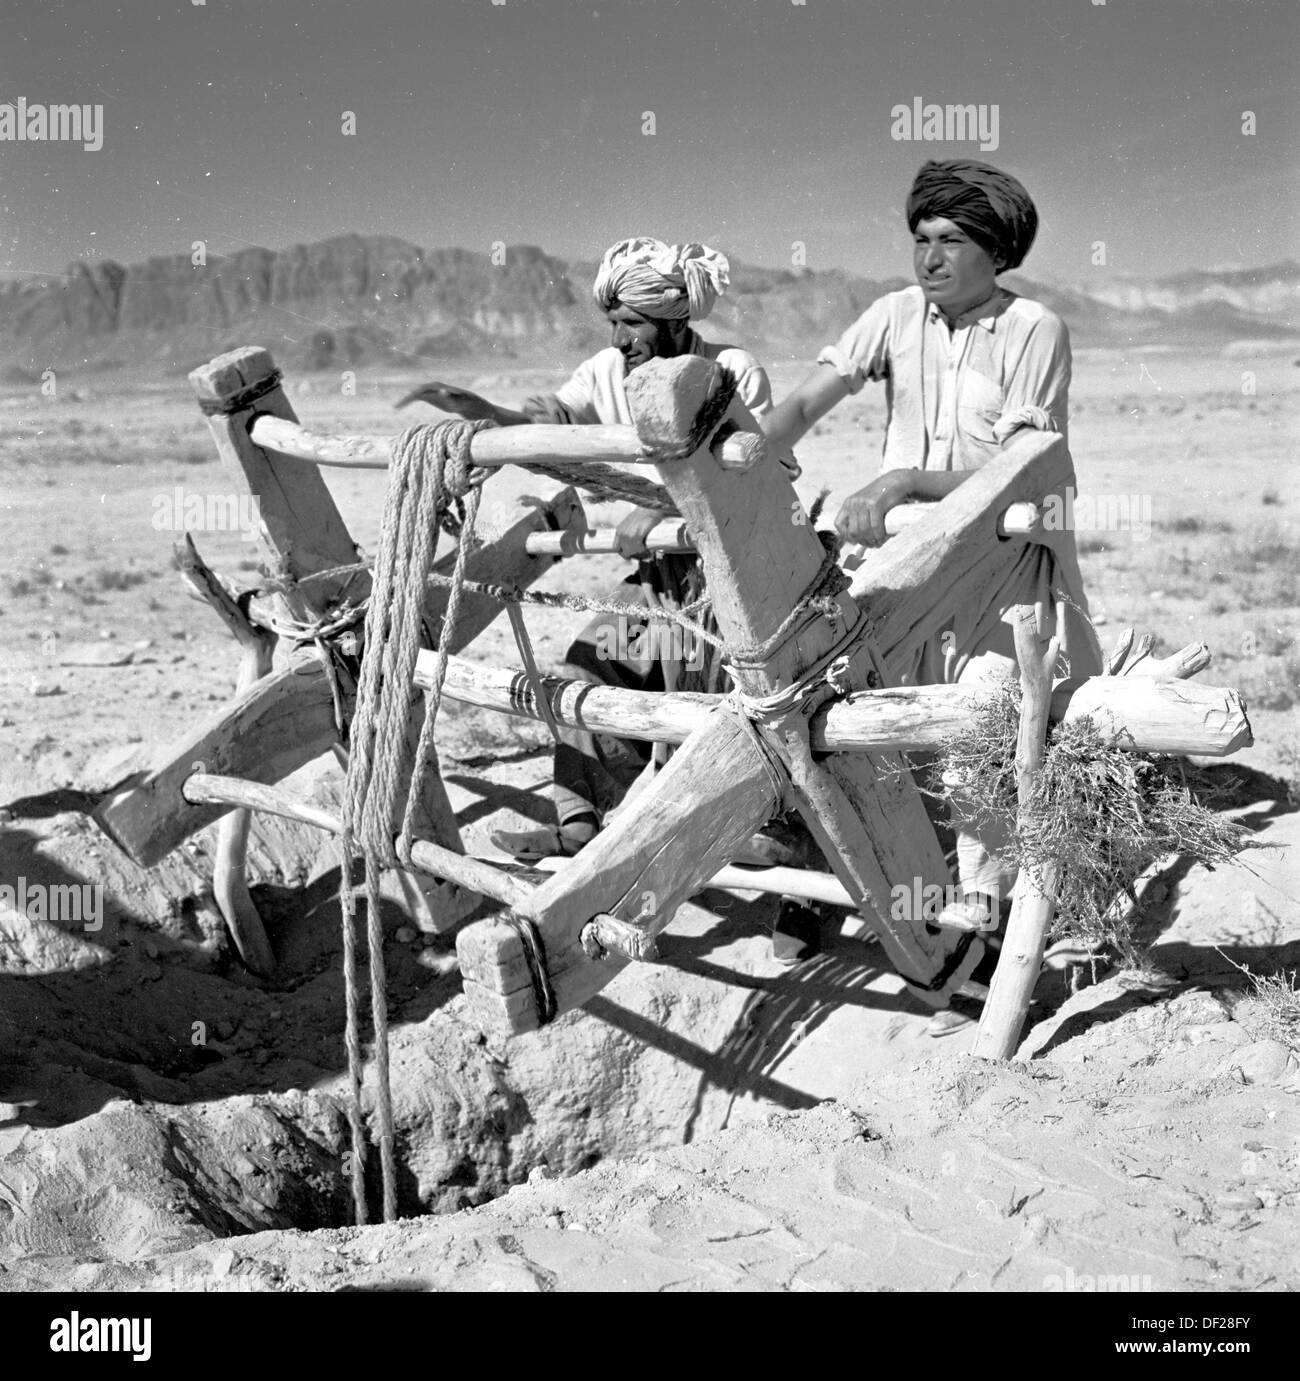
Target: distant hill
359	300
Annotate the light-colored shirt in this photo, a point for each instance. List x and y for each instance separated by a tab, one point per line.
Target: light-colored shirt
948	388
595	393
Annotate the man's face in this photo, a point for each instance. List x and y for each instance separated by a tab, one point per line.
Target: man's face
641	338
954	272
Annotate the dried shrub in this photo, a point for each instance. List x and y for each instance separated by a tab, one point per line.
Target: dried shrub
1102	815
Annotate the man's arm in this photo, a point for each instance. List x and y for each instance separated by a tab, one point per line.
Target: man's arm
461	401
1041	377
861	353
795	414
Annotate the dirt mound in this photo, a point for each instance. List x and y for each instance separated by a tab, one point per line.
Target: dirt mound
952	1174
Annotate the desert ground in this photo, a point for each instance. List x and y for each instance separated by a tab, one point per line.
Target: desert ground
712	1122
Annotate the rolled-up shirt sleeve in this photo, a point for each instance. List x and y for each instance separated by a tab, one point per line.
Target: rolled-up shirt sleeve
1041	377
754	389
862	352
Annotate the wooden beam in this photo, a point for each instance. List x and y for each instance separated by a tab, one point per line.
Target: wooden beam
303	535
910	585
289	720
686	826
1137	712
270	730
474	874
604	935
494	446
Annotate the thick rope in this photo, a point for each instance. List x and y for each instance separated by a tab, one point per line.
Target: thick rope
608	485
431	466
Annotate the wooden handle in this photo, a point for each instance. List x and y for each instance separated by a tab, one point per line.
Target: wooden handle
667	537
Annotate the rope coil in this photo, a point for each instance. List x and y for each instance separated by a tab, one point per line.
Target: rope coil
431	470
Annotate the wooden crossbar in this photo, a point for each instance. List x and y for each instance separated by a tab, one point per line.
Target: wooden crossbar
541	444
1019	520
1140	713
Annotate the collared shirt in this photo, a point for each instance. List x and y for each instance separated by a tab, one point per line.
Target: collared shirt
948	388
595	392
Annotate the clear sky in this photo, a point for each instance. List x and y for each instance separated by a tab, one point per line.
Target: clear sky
523	122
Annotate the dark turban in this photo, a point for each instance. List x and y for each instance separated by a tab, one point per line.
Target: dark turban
989	205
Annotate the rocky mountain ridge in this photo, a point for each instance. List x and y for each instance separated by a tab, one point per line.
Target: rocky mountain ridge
361	300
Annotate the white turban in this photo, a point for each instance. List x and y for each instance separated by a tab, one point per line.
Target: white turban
670	282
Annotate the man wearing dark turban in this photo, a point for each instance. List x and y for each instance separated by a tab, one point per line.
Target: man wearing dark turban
965	363
989	205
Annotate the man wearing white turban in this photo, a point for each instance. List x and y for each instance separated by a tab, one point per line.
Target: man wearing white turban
650	293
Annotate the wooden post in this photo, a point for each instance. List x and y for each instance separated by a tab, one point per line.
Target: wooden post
1031	912
229	884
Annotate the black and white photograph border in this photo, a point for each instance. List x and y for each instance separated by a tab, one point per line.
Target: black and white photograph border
650	647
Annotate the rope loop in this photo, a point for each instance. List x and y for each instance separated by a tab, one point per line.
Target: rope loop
820	597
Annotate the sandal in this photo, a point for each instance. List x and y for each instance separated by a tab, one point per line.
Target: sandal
796	934
971	916
947	1023
960	1016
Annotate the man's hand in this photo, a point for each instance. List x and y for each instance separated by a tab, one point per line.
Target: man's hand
471	406
862	515
546	408
630	535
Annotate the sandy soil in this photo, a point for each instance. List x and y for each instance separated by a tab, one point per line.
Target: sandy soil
830	1144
